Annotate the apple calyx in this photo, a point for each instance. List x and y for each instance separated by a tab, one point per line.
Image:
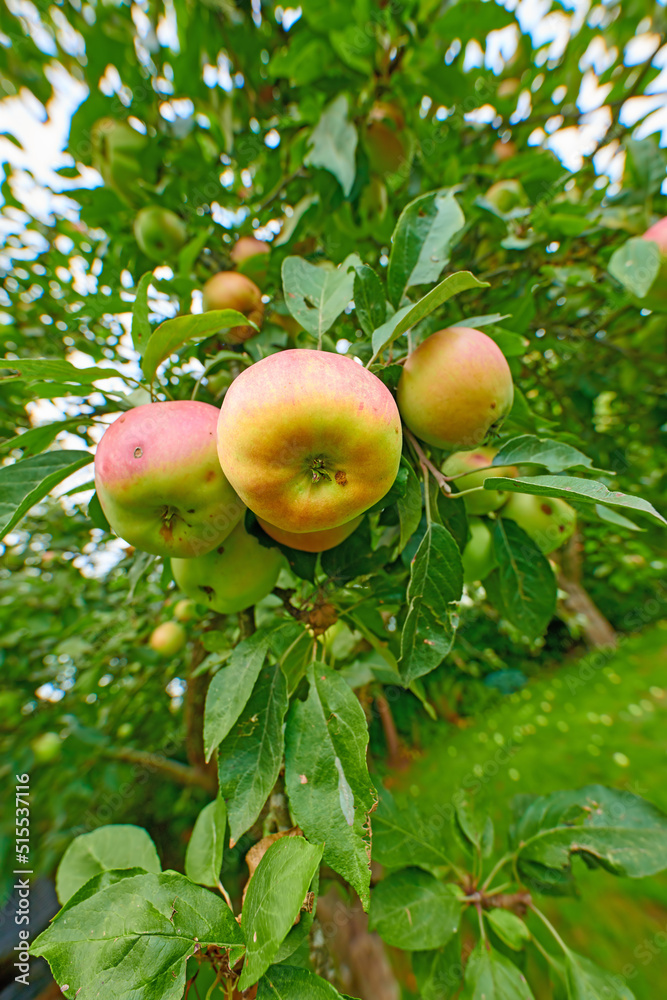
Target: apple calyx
318	470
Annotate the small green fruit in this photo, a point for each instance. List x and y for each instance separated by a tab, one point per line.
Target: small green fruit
478	557
479	458
168	639
47	748
159	232
505	196
549	521
185	610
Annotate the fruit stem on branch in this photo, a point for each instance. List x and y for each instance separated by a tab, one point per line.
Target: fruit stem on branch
428	464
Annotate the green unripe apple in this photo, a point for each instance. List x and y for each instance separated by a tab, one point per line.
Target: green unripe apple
505	196
47	748
478	558
159	232
549	521
119	153
488	500
185	610
168	639
237	574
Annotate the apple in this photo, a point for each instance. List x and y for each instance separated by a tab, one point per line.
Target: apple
159	232
231	290
168	639
478	557
248	246
382	140
549	521
504	150
185	610
159	480
505	196
311	541
235	575
479	458
455	389
309	439
119	153
47	747
251	257
657	294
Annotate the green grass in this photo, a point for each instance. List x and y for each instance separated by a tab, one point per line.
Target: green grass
600	720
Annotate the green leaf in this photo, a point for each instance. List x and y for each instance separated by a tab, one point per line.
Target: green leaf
354	556
108	847
97	515
54	369
421	241
439	972
554	455
275	895
523	587
402	836
206	847
586	981
284	983
141	327
175	333
25	483
491	976
613	517
436	582
509	928
409	509
231	687
187	256
334	143
326	775
407	317
316	296
607	827
413	911
636	265
133	938
369	299
472	830
250	758
571	488
35	440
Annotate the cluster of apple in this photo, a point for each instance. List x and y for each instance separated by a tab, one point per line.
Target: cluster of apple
308	441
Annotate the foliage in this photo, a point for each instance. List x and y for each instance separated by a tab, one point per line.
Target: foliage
246	123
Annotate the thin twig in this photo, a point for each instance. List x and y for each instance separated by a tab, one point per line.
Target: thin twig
425	462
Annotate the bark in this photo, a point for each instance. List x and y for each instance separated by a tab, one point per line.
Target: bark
597	630
156	763
360	959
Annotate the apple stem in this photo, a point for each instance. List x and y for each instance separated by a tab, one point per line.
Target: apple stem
428	464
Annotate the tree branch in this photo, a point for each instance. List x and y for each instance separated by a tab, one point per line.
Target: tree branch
157	763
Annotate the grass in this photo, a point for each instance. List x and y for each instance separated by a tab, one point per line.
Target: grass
600	720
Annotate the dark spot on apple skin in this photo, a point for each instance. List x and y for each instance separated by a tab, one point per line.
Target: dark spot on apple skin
220	549
209	591
561	527
493	406
191	510
341	478
210	475
138	452
546	508
167	532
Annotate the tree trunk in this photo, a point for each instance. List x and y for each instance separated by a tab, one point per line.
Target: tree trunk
597	630
360	959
